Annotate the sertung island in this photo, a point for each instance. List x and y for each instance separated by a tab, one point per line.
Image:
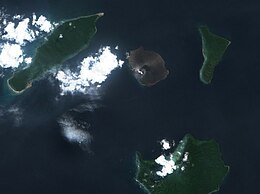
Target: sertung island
213	49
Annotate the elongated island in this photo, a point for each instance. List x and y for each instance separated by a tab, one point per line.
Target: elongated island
66	40
213	49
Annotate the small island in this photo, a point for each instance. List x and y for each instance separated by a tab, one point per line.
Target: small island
148	67
194	167
213	49
66	41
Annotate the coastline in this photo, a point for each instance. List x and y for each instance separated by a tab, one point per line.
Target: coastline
15	91
98	15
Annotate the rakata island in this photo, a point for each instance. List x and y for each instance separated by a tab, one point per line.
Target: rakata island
194	167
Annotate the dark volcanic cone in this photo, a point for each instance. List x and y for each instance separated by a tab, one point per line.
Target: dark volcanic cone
148	67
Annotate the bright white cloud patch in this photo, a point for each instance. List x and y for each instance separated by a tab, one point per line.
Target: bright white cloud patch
168	165
165	144
185	157
20	33
17	17
74	132
93	71
42	23
11	55
168	162
16	32
28	60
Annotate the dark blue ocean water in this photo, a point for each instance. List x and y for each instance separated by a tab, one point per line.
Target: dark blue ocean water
35	158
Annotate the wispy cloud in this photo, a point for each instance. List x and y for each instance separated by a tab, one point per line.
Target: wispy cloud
14	112
75	132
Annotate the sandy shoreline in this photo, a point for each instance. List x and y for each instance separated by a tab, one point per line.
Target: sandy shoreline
15	91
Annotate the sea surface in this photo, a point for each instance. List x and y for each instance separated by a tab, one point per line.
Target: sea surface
124	117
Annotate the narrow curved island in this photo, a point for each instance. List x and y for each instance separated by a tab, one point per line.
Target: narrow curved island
67	40
195	167
213	49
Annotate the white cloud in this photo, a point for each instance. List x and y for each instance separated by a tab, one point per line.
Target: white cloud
17	114
19	34
89	107
42	23
11	55
168	165
28	60
14	112
185	157
74	132
34	19
4	22
23	31
93	71
17	17
165	144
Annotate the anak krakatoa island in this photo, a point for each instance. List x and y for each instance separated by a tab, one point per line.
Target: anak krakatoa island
148	67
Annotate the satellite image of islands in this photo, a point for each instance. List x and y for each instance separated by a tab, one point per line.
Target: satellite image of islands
152	98
213	48
67	40
148	67
194	167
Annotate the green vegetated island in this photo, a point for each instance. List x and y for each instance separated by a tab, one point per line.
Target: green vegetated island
213	49
66	40
201	172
